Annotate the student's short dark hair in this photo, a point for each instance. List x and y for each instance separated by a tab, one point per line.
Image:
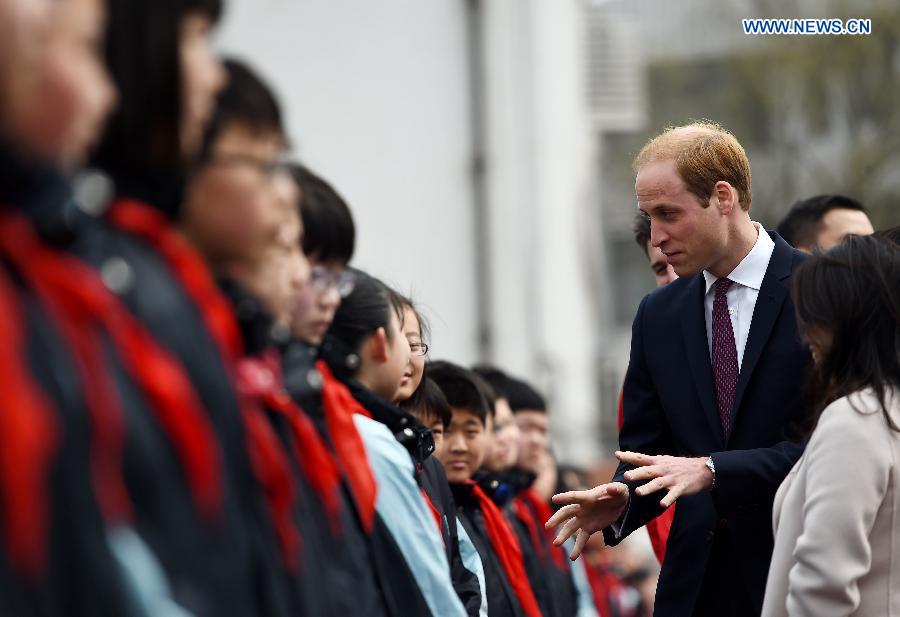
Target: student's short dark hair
641	230
428	403
328	230
803	223
246	100
494	377
142	37
367	308
521	396
461	387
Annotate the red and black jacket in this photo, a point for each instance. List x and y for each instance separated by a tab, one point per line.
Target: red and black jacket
352	578
165	284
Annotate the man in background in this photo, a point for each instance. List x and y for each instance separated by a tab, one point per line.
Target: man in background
821	222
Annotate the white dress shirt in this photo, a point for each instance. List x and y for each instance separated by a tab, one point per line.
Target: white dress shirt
742	295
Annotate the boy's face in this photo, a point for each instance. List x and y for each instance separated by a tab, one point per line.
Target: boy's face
534	439
239	197
466	441
504	451
241	212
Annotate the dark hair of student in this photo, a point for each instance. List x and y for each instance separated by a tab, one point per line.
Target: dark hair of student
143	135
463	388
641	230
367	308
522	397
424	326
428	404
246	100
892	234
328	230
802	224
495	378
852	293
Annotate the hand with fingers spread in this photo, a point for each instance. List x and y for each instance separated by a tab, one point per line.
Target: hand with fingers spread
586	512
678	474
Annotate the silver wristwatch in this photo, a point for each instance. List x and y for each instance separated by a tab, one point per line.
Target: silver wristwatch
712	469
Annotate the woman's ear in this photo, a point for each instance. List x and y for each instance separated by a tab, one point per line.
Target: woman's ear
380	346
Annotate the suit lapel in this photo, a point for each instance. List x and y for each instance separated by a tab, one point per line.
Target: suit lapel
772	294
693	327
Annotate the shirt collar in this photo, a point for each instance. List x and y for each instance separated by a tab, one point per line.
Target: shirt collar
752	269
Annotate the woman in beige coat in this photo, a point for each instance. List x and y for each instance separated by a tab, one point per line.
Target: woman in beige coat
837	514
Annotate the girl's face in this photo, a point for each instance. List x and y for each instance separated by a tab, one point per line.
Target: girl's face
396	359
415	368
317	302
71	93
819	341
202	77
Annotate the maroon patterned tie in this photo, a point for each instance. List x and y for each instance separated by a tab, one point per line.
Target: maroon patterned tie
724	354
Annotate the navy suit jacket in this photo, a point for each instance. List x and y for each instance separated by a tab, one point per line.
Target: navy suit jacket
670	408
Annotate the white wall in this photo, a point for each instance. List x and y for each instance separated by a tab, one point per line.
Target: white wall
378	100
376	96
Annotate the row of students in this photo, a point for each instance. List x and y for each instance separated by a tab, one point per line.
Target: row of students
205	411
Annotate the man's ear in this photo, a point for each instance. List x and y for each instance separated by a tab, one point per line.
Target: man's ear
724	197
379	343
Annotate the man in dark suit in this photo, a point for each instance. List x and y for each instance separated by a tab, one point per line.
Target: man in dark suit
713	383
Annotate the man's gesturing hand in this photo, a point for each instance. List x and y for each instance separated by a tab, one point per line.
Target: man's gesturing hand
680	475
586	512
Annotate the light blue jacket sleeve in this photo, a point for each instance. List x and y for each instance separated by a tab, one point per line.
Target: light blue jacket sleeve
472	562
403	509
586	606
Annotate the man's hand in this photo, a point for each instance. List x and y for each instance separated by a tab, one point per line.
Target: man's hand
587	512
680	475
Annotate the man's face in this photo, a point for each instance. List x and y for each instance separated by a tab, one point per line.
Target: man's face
839	223
465	444
691	237
663	272
533	439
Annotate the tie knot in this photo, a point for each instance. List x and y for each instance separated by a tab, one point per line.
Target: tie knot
722	286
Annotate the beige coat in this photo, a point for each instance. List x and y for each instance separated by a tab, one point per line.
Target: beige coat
837	519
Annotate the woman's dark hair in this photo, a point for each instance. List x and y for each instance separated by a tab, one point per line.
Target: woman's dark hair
891	234
246	100
463	388
429	404
367	308
852	294
328	230
143	58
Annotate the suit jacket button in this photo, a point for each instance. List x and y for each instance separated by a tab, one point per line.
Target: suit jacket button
710	535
